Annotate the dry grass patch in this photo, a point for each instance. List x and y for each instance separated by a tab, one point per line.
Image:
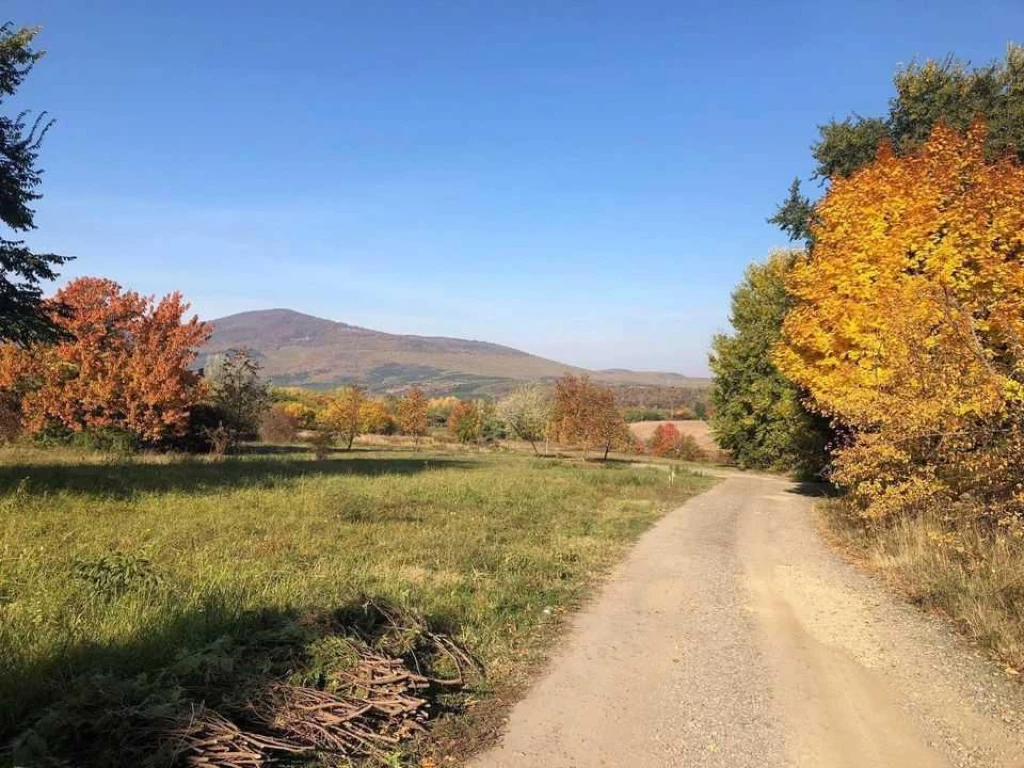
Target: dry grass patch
962	568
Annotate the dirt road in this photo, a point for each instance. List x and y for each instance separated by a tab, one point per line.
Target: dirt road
732	636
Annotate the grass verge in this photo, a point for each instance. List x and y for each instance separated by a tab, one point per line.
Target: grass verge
964	569
114	571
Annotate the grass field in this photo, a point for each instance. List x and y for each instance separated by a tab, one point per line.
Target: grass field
118	567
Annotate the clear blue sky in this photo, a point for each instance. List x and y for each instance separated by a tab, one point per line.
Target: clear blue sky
585	181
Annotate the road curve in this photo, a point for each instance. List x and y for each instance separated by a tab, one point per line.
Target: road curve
732	636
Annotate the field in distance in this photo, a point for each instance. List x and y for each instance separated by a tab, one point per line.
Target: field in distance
115	570
699	430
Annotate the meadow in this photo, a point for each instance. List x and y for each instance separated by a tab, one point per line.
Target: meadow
113	568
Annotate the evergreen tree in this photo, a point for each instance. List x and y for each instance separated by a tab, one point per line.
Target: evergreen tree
22	319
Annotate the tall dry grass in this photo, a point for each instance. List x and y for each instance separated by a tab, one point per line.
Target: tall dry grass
964	568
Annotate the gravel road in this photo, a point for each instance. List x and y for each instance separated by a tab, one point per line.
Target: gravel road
732	636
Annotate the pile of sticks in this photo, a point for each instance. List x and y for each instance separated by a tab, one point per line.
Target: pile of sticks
373	707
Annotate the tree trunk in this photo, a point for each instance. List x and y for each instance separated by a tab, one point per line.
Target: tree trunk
607	448
534	446
351	439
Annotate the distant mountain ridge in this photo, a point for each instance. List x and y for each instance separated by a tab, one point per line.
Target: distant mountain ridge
299	349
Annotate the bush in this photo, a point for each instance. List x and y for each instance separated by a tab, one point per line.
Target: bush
278	425
464	422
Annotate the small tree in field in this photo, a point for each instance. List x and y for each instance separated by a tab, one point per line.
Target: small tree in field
665	440
341	416
584	413
526	411
464	423
239	393
412	414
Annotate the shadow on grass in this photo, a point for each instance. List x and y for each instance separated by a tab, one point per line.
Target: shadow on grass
119	704
123	479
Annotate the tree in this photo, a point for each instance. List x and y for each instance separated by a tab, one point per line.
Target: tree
412	414
239	393
584	413
340	417
526	411
927	93
908	325
122	362
665	440
304	415
464	422
759	415
23	318
374	418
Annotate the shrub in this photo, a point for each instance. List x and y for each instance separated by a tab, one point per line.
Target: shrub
464	422
239	393
278	425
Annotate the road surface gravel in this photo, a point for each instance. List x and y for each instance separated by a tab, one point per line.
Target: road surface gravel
733	636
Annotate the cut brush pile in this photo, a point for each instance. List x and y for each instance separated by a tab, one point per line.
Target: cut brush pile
355	684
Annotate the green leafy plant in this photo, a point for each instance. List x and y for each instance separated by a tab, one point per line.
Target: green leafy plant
111	576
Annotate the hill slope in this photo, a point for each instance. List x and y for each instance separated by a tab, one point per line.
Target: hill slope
301	349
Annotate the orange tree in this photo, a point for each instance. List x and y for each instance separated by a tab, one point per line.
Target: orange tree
665	441
464	422
412	413
584	413
908	324
123	363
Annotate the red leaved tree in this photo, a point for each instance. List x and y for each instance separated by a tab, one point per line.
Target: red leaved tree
123	364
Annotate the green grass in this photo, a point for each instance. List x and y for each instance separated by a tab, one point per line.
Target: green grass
118	566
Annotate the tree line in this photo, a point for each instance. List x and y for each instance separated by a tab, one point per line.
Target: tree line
887	352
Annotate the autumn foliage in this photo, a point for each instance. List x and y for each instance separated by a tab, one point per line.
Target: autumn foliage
123	364
412	413
341	416
464	422
585	414
908	325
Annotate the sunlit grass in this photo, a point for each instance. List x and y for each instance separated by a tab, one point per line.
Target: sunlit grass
118	565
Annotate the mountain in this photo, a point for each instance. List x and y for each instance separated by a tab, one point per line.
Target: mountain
298	349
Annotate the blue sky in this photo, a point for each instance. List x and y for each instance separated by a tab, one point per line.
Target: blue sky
585	181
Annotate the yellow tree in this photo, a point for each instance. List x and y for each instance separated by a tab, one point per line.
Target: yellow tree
908	325
340	417
375	419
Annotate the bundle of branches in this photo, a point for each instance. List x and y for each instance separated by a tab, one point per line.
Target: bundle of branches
354	684
366	687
